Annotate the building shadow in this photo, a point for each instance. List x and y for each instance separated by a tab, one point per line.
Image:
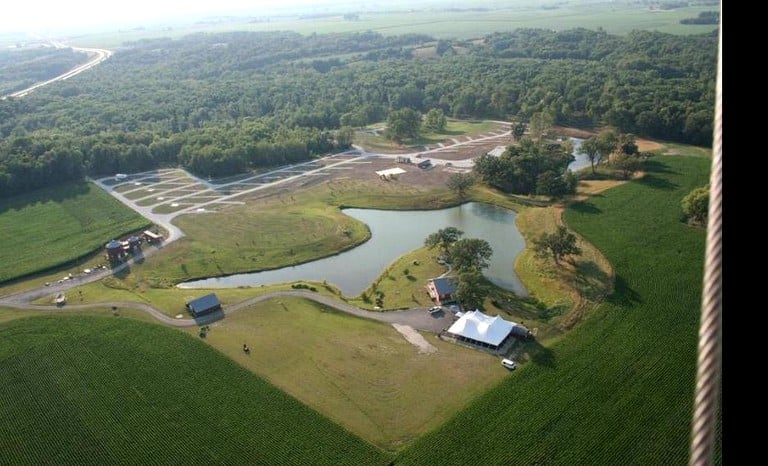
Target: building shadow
121	271
209	318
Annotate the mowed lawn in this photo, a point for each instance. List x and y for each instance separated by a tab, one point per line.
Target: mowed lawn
361	374
619	388
453	129
52	226
110	390
256	236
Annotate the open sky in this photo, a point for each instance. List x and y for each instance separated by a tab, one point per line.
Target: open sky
54	15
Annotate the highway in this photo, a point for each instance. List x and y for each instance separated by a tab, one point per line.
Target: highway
97	56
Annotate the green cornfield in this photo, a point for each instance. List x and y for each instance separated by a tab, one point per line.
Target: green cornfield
619	388
108	390
52	226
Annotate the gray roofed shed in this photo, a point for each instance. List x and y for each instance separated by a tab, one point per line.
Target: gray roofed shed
204	305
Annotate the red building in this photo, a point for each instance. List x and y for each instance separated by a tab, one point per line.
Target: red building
441	290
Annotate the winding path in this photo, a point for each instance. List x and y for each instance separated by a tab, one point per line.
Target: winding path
418	318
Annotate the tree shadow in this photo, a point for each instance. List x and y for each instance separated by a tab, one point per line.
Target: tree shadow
548	313
540	355
56	194
591	281
657	183
585	208
622	294
654	166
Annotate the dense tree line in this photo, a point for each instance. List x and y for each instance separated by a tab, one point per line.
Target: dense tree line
220	103
705	17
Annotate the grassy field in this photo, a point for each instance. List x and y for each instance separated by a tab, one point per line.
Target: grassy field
619	389
439	22
254	237
403	282
170	301
361	374
111	390
454	129
285	229
52	226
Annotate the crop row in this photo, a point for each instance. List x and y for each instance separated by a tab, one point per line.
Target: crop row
108	391
619	388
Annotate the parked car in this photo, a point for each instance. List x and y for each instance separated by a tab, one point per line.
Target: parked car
435	309
509	364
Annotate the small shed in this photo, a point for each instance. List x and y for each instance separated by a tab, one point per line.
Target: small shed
204	305
390	173
152	237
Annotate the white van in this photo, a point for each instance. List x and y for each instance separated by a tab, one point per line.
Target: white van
509	364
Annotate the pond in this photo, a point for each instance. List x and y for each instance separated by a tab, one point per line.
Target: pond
582	161
394	233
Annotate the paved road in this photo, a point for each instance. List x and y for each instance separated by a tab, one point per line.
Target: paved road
97	56
418	318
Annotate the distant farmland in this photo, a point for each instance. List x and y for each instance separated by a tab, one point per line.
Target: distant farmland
619	389
110	390
52	226
440	22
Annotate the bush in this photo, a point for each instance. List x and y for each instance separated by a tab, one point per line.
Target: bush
696	205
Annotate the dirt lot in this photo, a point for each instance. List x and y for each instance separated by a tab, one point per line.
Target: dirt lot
364	170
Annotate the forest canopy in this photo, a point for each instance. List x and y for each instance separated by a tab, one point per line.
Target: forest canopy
219	104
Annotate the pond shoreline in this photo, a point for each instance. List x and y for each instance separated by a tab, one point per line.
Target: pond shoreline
396	232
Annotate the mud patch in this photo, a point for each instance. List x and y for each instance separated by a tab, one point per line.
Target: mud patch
415	338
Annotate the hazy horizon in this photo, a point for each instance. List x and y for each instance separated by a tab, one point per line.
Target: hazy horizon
52	16
87	15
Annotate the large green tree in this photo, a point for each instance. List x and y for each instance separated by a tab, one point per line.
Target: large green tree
600	147
627	165
459	183
470	254
540	124
556	245
592	151
443	238
472	289
403	124
435	120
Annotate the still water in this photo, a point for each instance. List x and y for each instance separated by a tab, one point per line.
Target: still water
393	233
582	161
